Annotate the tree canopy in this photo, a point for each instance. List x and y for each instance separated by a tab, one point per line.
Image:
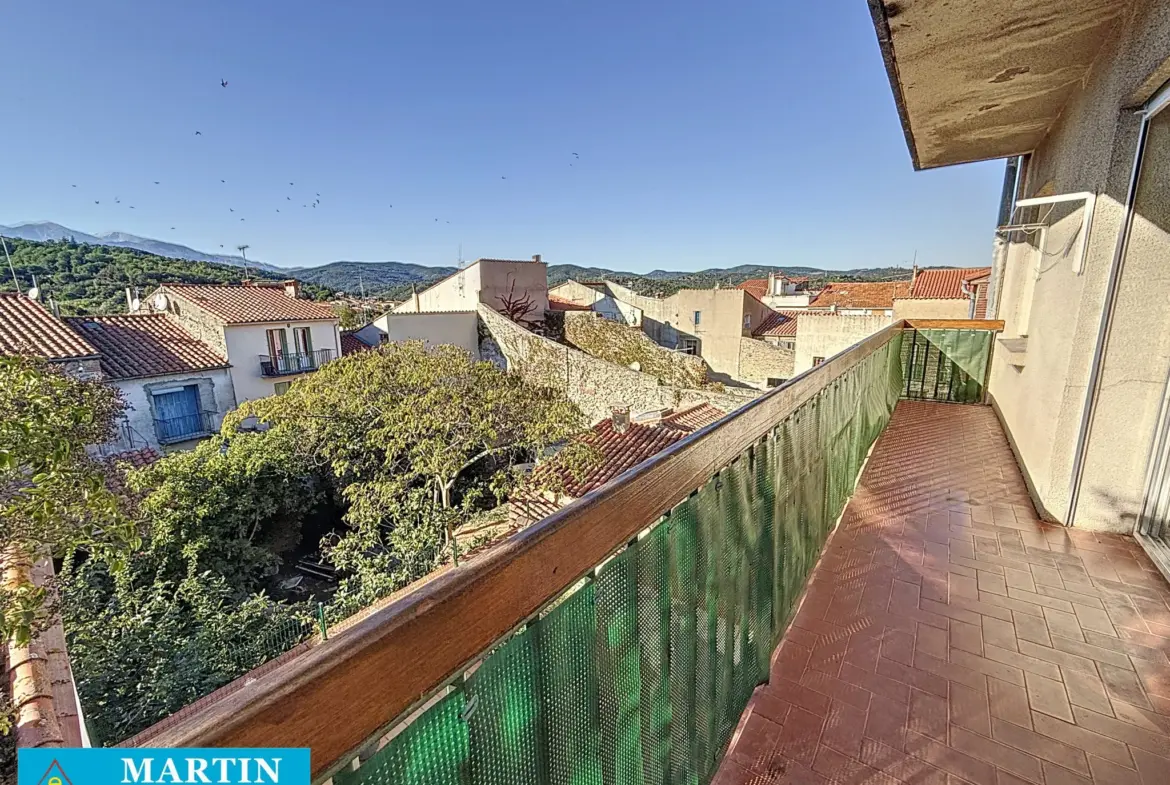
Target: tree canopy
415	439
54	499
92	279
398	445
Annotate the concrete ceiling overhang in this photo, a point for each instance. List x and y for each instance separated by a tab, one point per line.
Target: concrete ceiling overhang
981	79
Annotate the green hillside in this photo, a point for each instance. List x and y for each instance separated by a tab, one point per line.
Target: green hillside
92	279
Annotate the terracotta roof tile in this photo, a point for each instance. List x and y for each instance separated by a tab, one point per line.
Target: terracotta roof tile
778	323
861	294
27	328
251	304
559	304
622	451
135	459
351	344
945	284
757	287
135	346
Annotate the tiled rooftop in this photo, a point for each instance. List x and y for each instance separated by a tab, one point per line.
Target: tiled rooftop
868	294
945	284
758	287
250	304
620	451
560	304
135	346
948	637
351	344
778	323
27	328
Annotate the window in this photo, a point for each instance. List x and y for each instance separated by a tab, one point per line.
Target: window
698	317
277	343
774	382
177	415
817	361
280	388
690	346
747	321
788	344
303	340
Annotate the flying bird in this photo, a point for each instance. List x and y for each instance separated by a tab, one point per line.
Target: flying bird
291	183
156	182
172	228
95	201
223	83
288	198
131	207
231	210
278	209
576	156
75	186
241	219
503	178
223	181
199	133
221	245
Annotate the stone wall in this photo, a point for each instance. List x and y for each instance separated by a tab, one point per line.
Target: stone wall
593	384
201	323
630	347
822	335
760	361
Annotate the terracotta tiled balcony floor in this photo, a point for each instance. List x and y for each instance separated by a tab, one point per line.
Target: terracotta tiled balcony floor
949	637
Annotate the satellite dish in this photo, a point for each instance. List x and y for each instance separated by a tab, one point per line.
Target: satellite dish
135	305
34	293
161	301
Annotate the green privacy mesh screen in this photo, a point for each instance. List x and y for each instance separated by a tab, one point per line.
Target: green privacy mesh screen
946	365
640	674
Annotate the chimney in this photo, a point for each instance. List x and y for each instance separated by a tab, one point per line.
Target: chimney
621	419
129	300
536	258
772	283
292	288
246	282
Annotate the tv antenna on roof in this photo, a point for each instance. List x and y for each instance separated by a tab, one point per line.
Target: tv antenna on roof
11	269
243	252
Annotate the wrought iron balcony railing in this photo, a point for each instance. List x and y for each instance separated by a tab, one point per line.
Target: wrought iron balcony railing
287	364
620	638
182	428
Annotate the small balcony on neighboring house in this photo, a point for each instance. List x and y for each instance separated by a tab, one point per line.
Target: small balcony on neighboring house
294	363
843	581
183	427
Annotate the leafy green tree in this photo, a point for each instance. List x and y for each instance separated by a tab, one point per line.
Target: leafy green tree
416	440
189	612
53	497
92	279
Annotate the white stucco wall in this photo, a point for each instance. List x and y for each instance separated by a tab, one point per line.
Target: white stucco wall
456	329
216	395
1091	148
488	282
824	335
246	343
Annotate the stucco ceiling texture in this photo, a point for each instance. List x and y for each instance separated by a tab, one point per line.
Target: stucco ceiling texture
980	79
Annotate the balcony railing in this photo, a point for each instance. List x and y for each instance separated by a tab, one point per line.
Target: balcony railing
617	640
286	364
188	426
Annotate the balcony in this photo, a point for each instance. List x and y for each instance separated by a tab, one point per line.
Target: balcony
764	601
180	429
289	364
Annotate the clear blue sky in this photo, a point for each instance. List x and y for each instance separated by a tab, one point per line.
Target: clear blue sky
709	134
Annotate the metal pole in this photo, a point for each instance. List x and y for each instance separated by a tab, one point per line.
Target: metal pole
321	621
12	269
243	249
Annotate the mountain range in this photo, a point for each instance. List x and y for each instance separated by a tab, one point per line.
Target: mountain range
392	279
